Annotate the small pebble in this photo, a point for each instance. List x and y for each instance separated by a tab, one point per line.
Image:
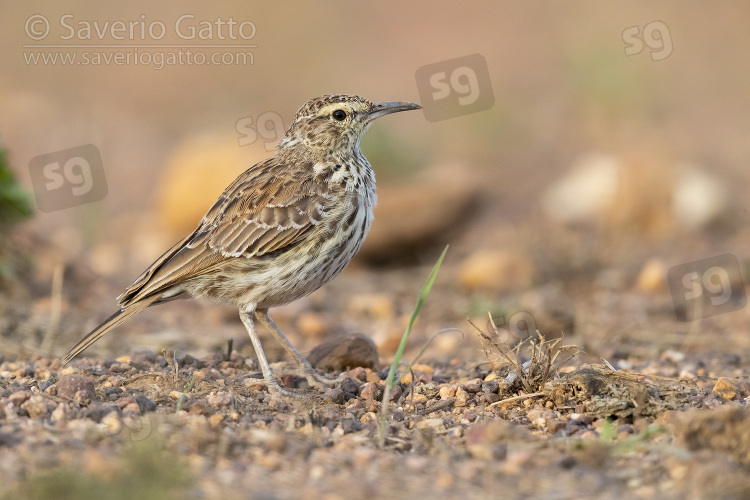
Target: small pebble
142	355
334	394
77	387
371	391
727	388
215	420
350	425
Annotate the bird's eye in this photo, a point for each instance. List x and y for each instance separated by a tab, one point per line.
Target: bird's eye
339	115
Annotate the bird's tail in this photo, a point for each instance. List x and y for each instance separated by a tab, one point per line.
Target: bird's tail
116	319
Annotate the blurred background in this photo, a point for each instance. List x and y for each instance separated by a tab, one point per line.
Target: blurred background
599	146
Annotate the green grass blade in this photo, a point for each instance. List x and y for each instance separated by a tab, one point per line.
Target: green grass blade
399	353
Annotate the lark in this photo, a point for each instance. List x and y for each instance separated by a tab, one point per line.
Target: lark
281	230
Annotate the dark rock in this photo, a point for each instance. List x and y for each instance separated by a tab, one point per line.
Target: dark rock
345	351
77	387
371	390
142	355
567	462
187	360
97	411
145	404
350	425
490	386
350	385
336	395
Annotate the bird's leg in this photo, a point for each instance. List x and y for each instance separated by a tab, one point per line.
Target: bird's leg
268	377
310	374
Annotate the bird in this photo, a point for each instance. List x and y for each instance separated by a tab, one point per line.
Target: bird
281	230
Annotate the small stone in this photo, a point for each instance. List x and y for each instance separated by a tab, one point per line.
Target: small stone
131	410
142	355
462	397
59	413
429	389
368	417
350	385
590	436
19	397
489	441
112	423
96	411
350	425
199	407
727	388
345	351
145	404
215	420
396	393
371	391
490	386
474	385
334	394
534	414
567	462
434	424
77	387
448	391
358	373
418	398
491	397
554	425
187	360
219	399
573	426
421	367
36	406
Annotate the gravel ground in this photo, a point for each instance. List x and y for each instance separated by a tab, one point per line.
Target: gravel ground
452	430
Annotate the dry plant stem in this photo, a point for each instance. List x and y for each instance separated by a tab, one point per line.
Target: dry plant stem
538	369
171	361
520	396
505	352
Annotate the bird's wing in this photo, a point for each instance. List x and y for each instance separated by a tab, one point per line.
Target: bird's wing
264	210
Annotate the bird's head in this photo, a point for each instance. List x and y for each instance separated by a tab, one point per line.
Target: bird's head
334	123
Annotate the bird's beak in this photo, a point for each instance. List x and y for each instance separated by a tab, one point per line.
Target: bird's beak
386	108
